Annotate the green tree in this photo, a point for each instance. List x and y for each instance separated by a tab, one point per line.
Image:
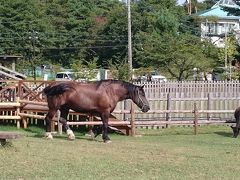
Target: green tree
85	70
119	70
177	55
229	52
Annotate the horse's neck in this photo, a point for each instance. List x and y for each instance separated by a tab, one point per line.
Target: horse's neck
123	94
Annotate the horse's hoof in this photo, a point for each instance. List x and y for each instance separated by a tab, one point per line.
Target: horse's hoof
107	141
71	138
48	136
70	134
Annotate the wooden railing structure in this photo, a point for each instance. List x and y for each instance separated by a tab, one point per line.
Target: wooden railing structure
172	103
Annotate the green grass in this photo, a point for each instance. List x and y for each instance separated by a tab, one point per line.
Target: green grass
173	153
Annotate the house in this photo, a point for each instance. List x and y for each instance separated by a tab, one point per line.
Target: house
217	23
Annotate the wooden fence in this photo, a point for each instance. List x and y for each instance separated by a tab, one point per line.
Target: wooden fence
215	100
170	102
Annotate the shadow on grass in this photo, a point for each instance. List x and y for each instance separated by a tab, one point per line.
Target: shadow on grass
222	133
33	133
39	135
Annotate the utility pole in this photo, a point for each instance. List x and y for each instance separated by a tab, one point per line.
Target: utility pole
33	37
225	48
189	6
229	76
129	40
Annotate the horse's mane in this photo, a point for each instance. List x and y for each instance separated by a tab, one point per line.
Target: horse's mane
130	87
60	88
56	89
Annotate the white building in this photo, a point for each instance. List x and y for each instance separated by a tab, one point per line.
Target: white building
216	30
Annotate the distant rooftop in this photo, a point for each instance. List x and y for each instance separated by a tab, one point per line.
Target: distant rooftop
216	10
9	57
226	3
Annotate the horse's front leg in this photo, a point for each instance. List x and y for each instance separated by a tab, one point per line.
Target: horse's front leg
63	121
48	120
66	128
104	118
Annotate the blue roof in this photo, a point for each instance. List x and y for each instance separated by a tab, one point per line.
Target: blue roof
219	12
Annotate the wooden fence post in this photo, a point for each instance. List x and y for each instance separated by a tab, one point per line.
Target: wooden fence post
133	127
124	108
168	115
58	122
195	118
20	89
18	111
24	119
209	106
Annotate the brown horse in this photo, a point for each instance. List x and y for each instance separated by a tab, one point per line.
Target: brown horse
237	127
99	98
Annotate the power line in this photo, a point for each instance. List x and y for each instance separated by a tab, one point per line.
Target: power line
70	48
67	34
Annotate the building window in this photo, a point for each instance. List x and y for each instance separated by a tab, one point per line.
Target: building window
212	28
231	27
221	28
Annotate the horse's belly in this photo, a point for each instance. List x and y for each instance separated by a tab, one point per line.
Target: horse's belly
88	105
83	109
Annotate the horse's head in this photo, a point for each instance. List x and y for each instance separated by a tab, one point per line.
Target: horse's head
140	99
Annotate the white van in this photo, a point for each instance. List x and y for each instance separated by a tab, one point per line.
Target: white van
155	76
64	76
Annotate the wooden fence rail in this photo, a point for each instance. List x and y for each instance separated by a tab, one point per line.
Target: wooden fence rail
20	116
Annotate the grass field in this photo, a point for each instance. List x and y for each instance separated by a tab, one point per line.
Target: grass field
173	153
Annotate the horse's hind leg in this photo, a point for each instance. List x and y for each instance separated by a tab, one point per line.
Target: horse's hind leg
63	119
104	118
236	129
48	120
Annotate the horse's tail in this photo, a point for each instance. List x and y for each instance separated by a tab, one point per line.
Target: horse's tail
53	90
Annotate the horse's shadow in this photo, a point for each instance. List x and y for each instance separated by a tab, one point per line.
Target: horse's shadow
81	136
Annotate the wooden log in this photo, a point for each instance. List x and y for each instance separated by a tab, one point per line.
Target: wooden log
10	117
179	122
215	111
4	136
121	112
163	111
9	105
31	116
34	102
99	123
